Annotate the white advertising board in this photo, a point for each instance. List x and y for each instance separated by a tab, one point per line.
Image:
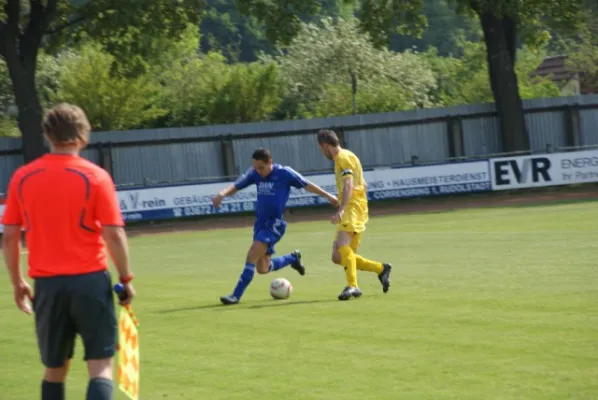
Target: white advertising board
193	200
555	169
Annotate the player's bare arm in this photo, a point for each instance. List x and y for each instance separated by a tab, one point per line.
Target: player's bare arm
347	192
315	189
229	191
11	247
116	242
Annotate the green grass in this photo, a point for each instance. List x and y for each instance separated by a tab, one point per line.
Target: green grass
497	303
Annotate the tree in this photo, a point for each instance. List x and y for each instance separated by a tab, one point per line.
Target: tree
582	50
235	36
46	83
111	101
502	22
204	89
240	37
121	27
445	29
465	80
334	57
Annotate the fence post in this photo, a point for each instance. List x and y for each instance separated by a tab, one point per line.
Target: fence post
454	131
228	157
572	128
105	158
340	132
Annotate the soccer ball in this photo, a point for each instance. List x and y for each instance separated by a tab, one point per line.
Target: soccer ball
280	288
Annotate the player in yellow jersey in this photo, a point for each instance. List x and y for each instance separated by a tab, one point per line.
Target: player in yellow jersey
351	216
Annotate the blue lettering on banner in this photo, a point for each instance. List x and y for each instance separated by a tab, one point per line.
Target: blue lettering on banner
427	191
173	202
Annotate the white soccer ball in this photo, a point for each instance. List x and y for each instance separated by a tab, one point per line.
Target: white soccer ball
280	288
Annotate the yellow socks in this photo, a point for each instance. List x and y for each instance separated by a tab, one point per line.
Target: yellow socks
364	264
349	262
352	262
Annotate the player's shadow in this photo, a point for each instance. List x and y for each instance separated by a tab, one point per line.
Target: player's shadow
222	307
196	308
282	303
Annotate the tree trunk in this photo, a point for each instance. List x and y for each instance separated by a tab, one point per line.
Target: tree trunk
354	92
19	47
500	35
30	111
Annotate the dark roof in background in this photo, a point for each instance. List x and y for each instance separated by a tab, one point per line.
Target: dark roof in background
555	67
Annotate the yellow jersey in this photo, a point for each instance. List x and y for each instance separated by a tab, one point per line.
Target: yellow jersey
346	164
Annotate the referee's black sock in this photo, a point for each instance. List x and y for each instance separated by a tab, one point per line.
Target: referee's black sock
99	389
52	390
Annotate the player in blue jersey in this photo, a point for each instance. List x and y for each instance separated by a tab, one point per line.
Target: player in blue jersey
273	183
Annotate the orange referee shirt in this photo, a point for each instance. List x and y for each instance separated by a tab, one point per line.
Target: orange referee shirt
63	201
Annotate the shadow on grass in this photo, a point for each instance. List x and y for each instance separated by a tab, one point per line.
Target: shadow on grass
282	303
240	307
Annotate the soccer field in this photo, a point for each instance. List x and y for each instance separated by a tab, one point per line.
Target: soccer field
494	303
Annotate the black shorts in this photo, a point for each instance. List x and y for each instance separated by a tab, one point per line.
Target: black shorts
69	305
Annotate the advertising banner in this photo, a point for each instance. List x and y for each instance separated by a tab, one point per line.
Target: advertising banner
555	169
194	200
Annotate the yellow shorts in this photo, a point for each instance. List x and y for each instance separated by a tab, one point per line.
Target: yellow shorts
355	240
353	221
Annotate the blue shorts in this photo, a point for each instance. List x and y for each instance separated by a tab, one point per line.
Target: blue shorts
269	233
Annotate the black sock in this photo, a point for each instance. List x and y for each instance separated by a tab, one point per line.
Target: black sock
99	389
52	390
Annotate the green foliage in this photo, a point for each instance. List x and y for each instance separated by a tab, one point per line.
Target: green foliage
379	18
206	90
381	96
6	96
133	31
534	18
445	30
8	127
111	101
46	82
236	36
131	72
189	89
47	77
530	87
322	62
242	37
465	80
582	50
168	52
281	19
252	92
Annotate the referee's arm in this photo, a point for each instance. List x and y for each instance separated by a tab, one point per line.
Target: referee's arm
113	232
11	247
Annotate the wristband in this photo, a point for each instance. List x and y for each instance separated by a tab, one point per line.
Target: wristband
126	279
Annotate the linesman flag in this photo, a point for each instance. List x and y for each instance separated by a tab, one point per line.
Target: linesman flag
128	353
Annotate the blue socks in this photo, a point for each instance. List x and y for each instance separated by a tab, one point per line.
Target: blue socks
244	280
249	271
281	262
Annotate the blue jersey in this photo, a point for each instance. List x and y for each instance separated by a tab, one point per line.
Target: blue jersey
272	191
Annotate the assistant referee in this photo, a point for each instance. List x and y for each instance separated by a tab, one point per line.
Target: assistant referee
69	210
